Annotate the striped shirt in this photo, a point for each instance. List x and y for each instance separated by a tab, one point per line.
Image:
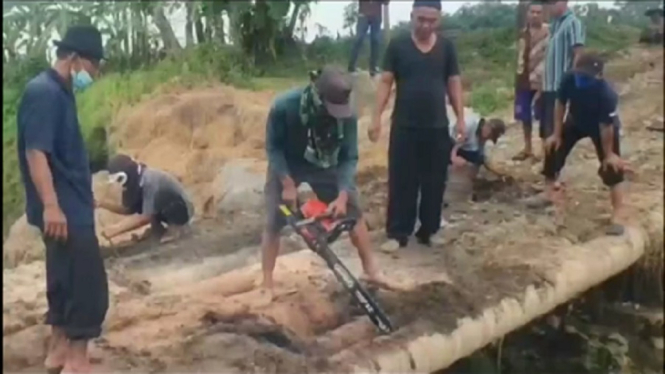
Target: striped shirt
566	32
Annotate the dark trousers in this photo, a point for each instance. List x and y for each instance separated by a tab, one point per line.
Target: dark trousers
571	134
417	164
76	284
372	26
170	209
548	105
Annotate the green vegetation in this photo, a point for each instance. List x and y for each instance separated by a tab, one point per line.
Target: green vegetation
261	50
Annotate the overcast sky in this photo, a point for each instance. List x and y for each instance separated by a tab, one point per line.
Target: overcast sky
330	14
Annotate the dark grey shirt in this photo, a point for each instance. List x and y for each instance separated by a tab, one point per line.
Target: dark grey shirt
153	181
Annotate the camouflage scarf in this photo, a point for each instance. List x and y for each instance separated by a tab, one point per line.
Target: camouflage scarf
324	133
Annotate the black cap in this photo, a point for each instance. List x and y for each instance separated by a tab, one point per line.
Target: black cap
436	4
86	40
334	87
590	64
121	163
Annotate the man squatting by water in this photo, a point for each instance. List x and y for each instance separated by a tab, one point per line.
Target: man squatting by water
57	180
528	81
423	65
312	137
149	196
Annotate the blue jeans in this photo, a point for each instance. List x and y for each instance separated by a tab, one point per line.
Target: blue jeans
365	25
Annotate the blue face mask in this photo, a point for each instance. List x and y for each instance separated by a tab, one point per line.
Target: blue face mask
585	81
81	80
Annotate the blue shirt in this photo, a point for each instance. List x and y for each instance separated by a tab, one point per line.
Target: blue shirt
566	33
593	102
47	121
286	141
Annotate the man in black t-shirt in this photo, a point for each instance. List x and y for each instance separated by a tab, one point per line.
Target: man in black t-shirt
423	66
593	114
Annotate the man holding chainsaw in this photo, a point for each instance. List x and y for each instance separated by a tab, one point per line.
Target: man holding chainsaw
312	137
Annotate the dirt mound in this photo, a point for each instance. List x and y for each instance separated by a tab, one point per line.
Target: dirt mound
192	133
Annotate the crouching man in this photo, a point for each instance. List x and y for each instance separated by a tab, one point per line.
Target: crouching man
150	197
592	113
478	132
312	137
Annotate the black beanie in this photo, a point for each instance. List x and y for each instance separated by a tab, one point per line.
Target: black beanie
436	4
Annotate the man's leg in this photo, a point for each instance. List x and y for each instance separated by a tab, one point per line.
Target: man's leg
403	184
87	301
434	156
554	163
546	128
56	274
615	181
172	210
523	115
324	185
361	31
274	223
375	42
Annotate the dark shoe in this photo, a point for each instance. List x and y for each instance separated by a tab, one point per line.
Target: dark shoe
424	238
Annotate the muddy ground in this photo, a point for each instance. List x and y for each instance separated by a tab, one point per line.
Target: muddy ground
192	305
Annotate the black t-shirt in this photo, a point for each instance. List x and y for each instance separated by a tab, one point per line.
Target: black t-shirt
421	80
591	105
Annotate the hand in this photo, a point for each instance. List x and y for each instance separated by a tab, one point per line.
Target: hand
98	204
55	223
461	131
374	130
289	194
615	163
536	97
338	206
552	143
458	161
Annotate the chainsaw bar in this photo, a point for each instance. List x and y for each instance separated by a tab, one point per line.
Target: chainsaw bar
315	236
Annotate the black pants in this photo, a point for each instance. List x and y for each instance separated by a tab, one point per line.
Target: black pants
548	102
571	134
417	164
76	284
170	209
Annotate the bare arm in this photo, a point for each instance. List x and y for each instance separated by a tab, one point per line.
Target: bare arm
383	91
41	176
607	139
559	112
577	52
131	223
456	95
114	208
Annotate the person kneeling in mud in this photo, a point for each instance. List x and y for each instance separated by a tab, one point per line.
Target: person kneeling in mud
312	137
472	150
592	112
150	196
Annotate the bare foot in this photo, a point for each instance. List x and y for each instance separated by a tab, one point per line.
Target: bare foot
380	281
57	354
77	359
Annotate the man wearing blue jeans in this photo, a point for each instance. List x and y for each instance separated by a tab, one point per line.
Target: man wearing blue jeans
369	21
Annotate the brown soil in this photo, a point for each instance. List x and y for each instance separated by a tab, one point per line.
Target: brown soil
192	305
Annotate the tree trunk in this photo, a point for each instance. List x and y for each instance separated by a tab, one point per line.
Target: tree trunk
189	26
386	23
171	43
294	19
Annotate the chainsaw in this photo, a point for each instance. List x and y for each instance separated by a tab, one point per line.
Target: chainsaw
318	228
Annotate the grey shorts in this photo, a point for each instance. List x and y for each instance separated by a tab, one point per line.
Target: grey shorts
324	185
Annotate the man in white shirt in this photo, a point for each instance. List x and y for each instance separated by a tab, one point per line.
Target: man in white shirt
472	150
